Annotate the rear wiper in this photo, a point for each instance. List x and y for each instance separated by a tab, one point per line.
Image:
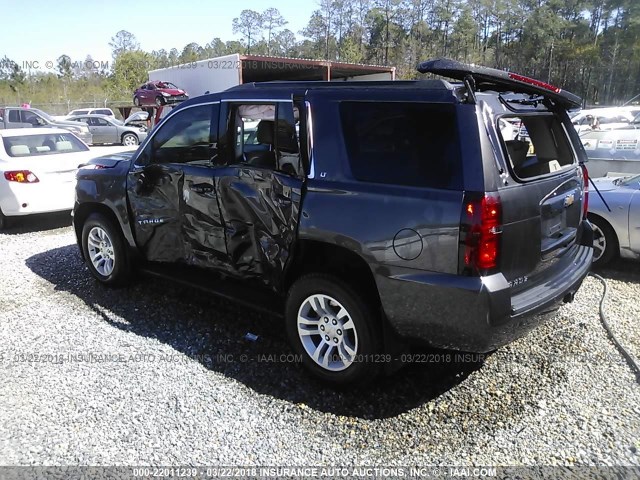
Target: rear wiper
526	101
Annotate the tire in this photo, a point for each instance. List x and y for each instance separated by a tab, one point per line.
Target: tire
136	101
3	221
104	251
348	348
130	139
605	241
159	101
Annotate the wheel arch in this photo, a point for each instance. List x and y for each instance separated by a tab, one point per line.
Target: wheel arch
313	256
608	223
84	210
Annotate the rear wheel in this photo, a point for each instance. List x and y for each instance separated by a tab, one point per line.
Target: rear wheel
136	101
605	241
104	251
129	140
334	329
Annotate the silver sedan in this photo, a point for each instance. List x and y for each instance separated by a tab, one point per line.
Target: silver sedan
616	229
106	129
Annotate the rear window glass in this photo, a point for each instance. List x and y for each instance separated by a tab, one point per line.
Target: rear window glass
535	145
412	144
43	144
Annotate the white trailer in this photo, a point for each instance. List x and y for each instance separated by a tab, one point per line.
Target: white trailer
218	74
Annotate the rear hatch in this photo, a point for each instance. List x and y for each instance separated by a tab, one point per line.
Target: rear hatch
536	159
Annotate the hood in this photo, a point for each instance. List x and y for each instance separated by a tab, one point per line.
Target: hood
109	161
172	91
605	184
136	117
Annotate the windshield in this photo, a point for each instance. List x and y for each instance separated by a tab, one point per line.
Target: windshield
166	85
46	116
117	122
631	181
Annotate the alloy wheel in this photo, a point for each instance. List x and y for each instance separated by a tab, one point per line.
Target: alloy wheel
327	332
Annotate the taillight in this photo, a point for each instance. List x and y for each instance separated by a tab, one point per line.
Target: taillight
585	189
21	176
481	225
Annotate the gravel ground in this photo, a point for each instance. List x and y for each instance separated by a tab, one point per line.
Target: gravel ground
161	387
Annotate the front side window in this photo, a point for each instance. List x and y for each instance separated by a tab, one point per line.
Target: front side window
540	147
189	136
44	144
410	144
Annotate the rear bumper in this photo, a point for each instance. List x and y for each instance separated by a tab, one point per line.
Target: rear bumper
18	199
475	314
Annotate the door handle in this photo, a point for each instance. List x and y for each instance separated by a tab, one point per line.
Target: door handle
283	200
201	188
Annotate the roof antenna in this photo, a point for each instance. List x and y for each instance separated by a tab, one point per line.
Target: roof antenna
470	83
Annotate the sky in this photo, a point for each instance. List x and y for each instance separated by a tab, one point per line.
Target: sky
42	30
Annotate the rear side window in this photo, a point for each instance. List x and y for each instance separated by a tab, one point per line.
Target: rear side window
412	144
536	145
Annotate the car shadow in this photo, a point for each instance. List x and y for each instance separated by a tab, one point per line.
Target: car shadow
622	269
214	332
37	223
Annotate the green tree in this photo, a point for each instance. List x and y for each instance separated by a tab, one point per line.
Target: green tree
123	41
271	21
129	72
249	26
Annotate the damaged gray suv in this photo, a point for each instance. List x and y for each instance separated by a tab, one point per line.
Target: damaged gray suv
371	215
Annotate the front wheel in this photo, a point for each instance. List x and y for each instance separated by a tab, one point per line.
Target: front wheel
334	329
159	101
104	251
129	140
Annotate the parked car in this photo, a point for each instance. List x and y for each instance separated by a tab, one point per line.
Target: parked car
397	215
38	167
91	111
601	119
19	117
111	130
156	93
615	218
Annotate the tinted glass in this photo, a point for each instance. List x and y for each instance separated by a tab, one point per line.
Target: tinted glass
413	144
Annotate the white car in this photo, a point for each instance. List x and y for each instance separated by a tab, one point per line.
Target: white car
38	170
609	118
86	111
92	111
